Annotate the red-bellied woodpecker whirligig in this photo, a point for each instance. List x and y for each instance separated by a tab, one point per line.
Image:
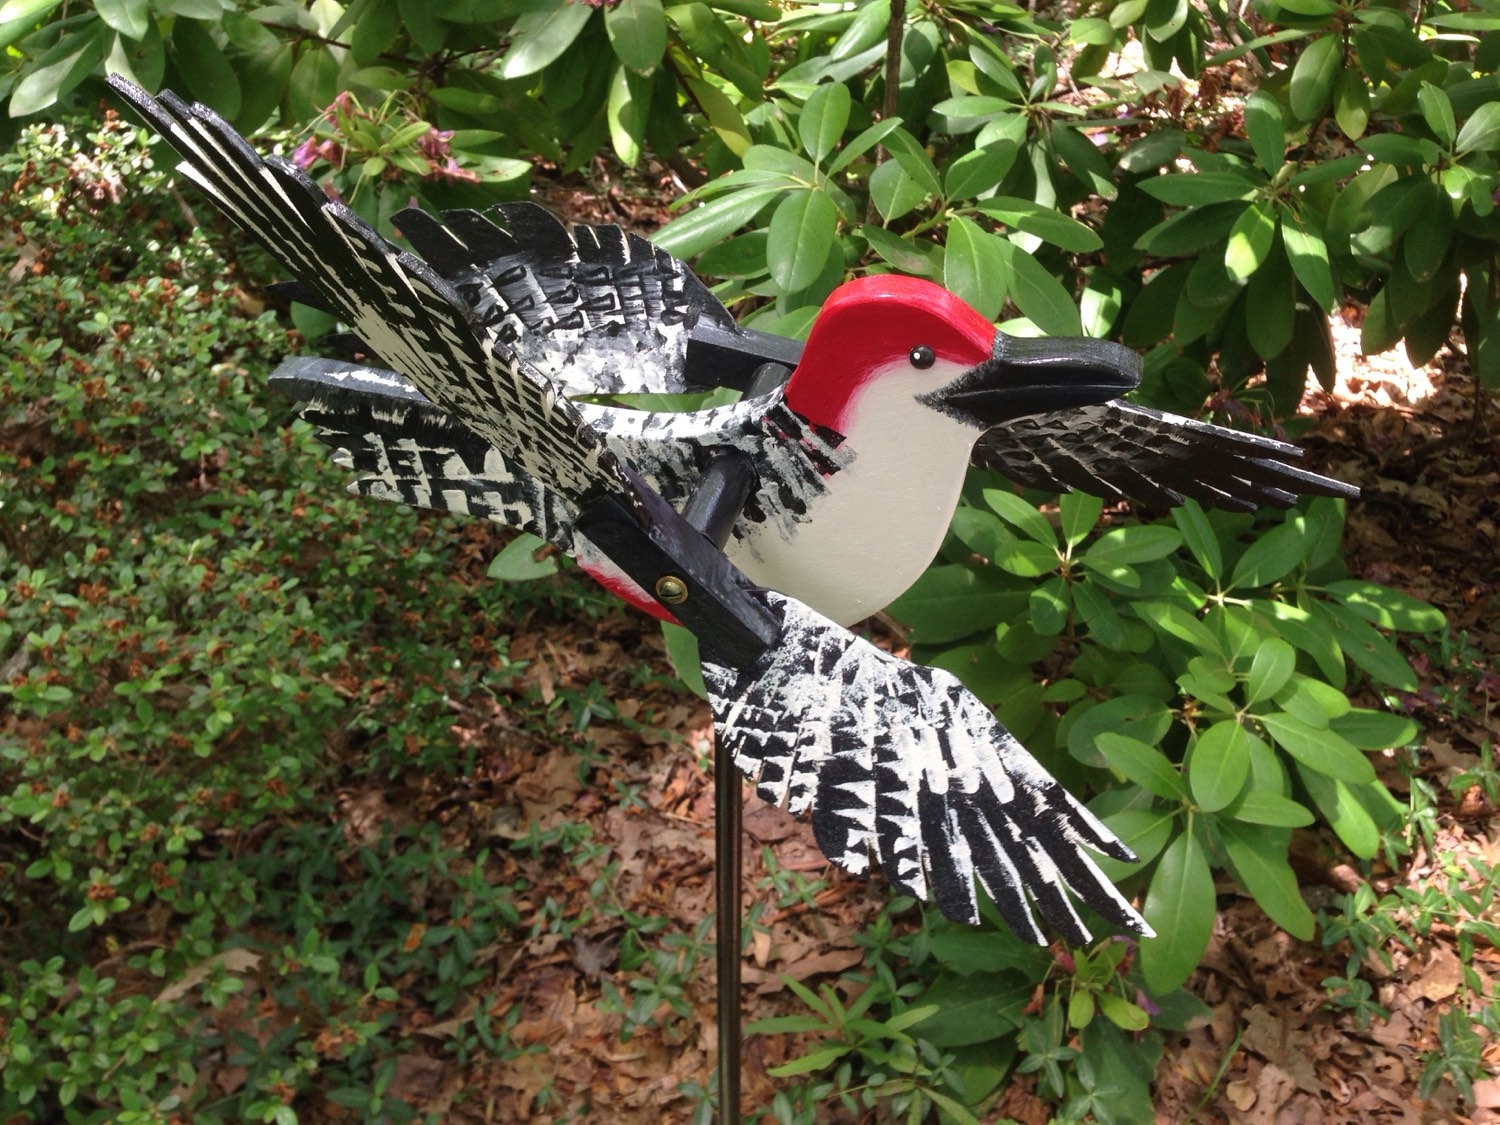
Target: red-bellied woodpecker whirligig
842	482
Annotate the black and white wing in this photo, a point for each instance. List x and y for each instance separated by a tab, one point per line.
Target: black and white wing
601	310
410	316
899	765
1121	450
407	450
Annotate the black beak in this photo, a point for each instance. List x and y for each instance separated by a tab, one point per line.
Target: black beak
1033	376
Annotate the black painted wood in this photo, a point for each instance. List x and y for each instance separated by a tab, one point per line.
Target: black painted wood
721	357
661	544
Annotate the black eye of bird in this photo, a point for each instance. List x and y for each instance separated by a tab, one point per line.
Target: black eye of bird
922	357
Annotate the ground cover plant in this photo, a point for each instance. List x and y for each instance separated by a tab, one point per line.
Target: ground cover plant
209	648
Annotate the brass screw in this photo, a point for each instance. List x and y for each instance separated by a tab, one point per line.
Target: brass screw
671	589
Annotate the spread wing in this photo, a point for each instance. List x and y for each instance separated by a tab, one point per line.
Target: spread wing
899	765
1121	450
410	315
603	311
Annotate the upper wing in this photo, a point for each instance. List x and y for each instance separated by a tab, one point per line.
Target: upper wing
1118	449
602	311
899	764
410	316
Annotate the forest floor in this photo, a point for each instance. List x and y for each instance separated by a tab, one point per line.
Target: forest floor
1276	1049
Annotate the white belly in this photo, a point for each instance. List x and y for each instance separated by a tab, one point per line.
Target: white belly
865	542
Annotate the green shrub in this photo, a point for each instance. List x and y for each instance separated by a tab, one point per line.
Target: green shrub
201	634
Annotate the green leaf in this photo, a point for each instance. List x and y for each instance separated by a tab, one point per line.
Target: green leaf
742	257
896	251
949	602
1368	649
1084	160
204	67
975	266
1080	1008
714	221
1345	814
1259	806
1259	859
637	31
1437	111
979	170
1135	543
1143	831
1040	296
26	11
723	115
974	1008
1307	633
894	192
1309	257
1374	730
313	83
517	561
1267	131
627	108
1481	132
967	951
1425	247
539	38
60	70
1313	76
1170	619
1022	516
1180	908
984	671
425	26
1145	765
1219	764
1351	103
1199	536
1271	557
862	143
1190	232
1193	189
129	17
914	160
1321	750
1250	241
1048	606
1274	663
1390	609
824	118
373	30
1122	1013
803	227
1026	559
1312	701
818	1059
1045	223
1079	513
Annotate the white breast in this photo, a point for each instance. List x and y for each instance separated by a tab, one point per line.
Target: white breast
884	516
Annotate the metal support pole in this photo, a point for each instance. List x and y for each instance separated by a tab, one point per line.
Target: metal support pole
713	508
729	872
